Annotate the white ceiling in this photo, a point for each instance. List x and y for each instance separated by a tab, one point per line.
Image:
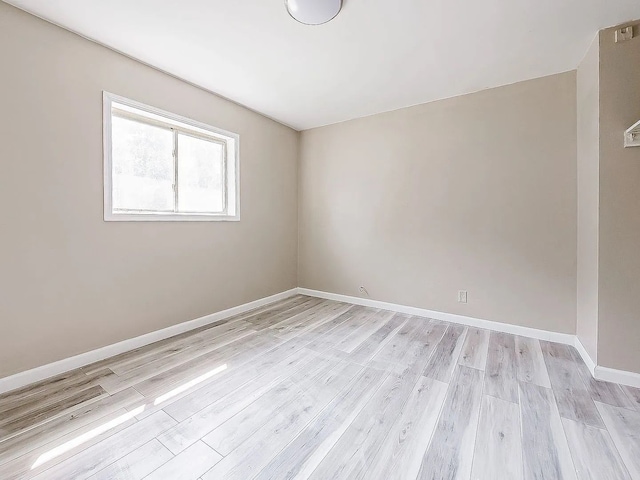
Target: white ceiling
375	56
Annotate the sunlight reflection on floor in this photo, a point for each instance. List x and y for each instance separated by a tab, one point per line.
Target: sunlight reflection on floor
188	385
85	437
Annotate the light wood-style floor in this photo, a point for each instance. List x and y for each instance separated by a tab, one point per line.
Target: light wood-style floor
308	388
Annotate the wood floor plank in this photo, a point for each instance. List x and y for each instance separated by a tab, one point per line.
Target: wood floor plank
229	435
305	322
76	423
357	447
594	454
633	394
219	335
137	464
164	366
377	340
39	391
252	456
498	454
322	377
573	399
255	314
330	338
624	427
26	466
58	391
243	368
232	355
530	362
423	344
222	408
374	320
332	353
412	346
401	454
261	372
22	421
501	379
445	358
450	452
301	457
544	444
268	319
607	392
327	329
396	347
142	352
600	391
101	455
475	349
188	465
323	309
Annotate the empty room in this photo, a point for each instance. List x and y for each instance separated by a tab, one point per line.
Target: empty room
320	239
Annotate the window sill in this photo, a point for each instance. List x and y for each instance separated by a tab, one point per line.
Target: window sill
173	217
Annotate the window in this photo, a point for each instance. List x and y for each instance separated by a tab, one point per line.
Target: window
160	166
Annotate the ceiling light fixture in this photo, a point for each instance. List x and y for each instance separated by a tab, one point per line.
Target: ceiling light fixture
313	12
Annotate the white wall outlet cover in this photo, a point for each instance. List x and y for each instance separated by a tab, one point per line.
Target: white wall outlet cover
632	136
624	34
462	296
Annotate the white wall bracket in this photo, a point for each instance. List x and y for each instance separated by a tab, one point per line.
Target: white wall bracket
632	136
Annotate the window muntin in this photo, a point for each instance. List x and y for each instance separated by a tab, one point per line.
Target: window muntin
159	166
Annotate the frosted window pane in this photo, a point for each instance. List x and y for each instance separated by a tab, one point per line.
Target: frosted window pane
200	175
143	172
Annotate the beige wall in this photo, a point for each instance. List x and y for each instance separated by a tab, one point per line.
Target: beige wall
70	282
619	261
472	193
588	187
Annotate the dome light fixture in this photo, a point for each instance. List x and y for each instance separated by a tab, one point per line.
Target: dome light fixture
313	12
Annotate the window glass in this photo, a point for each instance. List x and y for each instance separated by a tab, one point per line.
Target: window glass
143	168
200	175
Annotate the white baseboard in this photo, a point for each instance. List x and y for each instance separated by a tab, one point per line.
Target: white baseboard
56	368
586	358
598	372
565	338
617	376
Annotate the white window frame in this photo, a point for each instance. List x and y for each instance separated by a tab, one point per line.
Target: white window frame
184	126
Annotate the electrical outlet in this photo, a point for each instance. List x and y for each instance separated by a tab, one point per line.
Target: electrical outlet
462	296
624	34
